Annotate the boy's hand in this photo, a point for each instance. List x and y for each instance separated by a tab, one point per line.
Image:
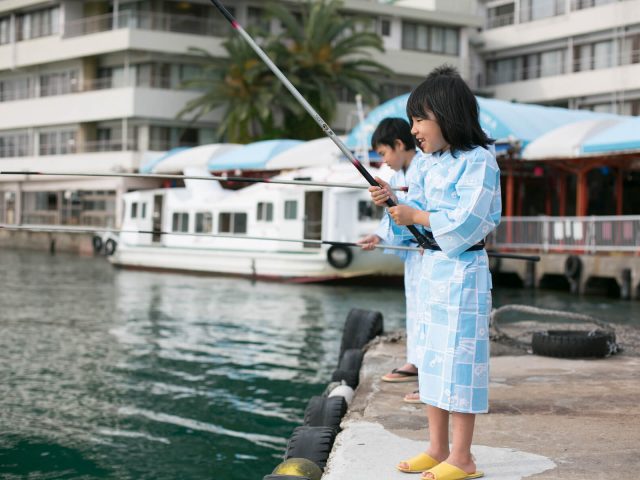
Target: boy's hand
381	194
403	215
369	242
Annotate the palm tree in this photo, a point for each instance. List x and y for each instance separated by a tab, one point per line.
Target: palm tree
319	51
243	86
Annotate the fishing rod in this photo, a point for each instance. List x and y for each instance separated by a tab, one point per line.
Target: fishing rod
223	178
97	230
422	240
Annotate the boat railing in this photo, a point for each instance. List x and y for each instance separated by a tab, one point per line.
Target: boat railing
590	235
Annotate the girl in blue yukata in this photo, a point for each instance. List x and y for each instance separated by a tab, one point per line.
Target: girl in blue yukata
457	199
393	141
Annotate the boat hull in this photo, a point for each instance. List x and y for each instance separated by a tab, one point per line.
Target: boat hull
306	266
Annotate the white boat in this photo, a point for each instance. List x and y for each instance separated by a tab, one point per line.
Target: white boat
203	208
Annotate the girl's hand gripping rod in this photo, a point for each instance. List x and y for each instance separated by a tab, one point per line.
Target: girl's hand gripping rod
422	240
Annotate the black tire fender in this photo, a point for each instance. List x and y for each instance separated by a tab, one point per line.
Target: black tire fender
312	443
325	412
572	266
339	257
573	343
110	247
350	377
360	327
96	241
351	359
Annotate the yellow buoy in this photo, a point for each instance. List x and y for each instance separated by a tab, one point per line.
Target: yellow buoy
299	467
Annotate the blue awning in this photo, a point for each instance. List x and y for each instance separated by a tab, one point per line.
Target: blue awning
504	121
624	136
253	156
149	166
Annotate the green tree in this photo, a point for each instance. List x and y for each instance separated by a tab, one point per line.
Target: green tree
319	51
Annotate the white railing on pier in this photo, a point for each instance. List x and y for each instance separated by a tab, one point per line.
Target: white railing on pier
569	234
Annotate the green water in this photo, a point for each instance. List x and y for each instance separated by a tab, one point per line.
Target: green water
132	375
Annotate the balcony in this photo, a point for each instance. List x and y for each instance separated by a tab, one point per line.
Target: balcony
188	24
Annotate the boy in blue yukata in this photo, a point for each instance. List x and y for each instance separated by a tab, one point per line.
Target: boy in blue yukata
393	141
457	199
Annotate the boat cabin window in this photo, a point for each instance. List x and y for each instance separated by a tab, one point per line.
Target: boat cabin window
232	222
369	211
143	214
204	222
290	209
265	211
134	210
180	222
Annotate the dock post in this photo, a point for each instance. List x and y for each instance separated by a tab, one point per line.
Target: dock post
625	289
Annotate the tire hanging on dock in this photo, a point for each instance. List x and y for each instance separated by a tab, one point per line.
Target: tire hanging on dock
325	412
360	328
312	443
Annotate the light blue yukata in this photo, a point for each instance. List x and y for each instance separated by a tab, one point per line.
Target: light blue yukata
411	259
462	194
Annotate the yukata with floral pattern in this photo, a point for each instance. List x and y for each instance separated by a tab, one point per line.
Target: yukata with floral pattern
411	259
462	193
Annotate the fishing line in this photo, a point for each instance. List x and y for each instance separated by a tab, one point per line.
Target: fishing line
223	178
53	229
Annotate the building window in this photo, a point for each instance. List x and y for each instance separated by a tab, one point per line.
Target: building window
59	142
265	212
134	210
15	89
59	83
593	56
581	4
385	27
501	16
39	23
204	222
290	209
531	10
14	145
5	30
232	222
425	38
369	211
180	222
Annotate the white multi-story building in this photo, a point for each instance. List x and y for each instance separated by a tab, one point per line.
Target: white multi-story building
94	86
573	53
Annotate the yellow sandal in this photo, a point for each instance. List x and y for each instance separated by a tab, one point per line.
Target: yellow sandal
419	463
446	471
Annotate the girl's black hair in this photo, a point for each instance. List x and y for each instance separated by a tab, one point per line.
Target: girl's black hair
391	129
446	94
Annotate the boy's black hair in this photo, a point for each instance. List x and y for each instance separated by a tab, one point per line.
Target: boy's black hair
446	94
391	129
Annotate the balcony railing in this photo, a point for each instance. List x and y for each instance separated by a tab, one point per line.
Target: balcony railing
147	21
569	234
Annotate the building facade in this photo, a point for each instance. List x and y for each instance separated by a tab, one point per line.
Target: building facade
93	86
582	54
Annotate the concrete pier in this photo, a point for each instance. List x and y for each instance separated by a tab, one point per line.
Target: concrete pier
622	270
549	418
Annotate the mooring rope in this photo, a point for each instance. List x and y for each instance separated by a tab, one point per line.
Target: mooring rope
501	336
